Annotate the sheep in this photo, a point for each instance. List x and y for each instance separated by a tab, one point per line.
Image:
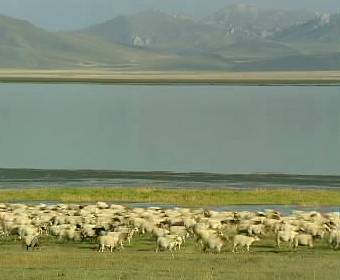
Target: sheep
70	234
88	231
167	242
178	240
108	241
131	233
102	205
120	235
180	231
204	233
159	232
244	241
286	236
248	226
304	240
28	230
256	230
214	242
32	241
334	238
315	230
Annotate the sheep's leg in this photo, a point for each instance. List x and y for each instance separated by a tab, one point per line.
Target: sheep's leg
219	249
248	247
295	245
278	243
235	248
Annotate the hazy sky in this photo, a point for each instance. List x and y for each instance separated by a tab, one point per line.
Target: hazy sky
73	14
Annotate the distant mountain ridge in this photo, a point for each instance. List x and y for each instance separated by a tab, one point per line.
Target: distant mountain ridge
255	21
239	37
322	29
155	28
22	45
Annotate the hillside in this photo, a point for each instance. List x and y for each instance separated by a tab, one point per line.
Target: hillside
239	37
237	33
23	45
157	30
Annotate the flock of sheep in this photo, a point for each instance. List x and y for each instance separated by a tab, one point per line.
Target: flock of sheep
110	226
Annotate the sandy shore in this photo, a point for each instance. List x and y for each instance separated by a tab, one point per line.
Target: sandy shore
111	76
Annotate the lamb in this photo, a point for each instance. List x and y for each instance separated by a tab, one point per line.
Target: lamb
244	241
304	240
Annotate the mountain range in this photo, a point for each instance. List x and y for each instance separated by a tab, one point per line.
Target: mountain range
238	37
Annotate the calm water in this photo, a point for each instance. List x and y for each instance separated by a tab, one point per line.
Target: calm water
221	129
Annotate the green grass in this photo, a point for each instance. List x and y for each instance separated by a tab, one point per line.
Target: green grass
185	197
139	261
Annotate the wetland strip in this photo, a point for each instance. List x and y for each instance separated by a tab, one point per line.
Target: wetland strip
194	197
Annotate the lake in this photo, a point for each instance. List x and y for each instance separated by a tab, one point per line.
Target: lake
214	129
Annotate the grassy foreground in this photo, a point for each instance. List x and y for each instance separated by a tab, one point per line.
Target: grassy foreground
71	261
186	197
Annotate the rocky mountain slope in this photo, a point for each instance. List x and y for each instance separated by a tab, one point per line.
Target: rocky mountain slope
237	37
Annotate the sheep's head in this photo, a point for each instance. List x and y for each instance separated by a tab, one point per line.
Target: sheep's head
256	238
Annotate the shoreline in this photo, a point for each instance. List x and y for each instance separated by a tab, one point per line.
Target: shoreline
56	178
119	77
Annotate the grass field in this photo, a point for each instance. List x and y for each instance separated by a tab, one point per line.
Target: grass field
208	197
118	76
139	261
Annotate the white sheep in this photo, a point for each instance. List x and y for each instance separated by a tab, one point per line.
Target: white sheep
180	231
167	242
244	241
334	238
108	241
285	236
304	240
214	242
32	241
